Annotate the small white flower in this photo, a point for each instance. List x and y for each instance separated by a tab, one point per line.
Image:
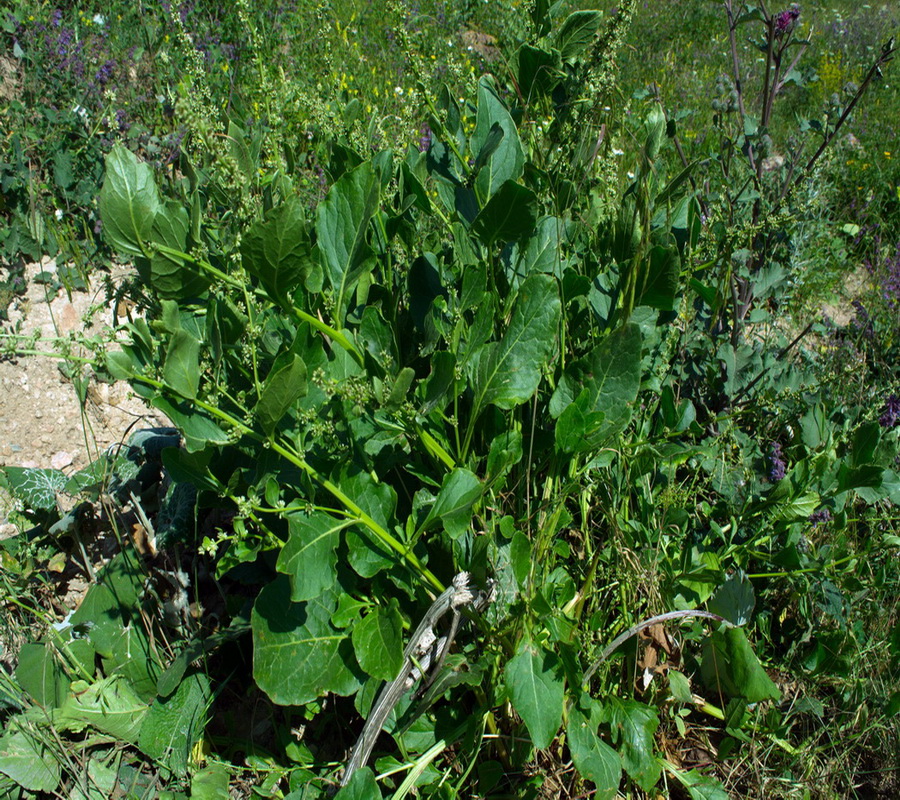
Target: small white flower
616	152
81	111
59	214
398	90
99	20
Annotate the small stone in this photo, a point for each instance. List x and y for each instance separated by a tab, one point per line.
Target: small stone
38	414
68	319
60	459
7	530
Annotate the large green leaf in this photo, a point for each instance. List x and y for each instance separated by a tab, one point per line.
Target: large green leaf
277	250
35	487
197	428
577	32
593	399
284	386
174	724
453	505
506	162
25	760
657	280
730	665
40	674
539	253
111	615
169	274
535	688
734	600
110	706
593	757
634	726
362	786
181	370
341	223
509	215
308	557
129	202
378	643
298	654
509	371
538	72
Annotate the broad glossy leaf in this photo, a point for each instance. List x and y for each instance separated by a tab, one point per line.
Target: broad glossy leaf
508	216
211	783
490	145
362	786
298	654
520	557
129	202
734	599
700	786
367	556
539	253
680	686
110	706
277	250
594	759
538	72
174	724
378	644
507	161
657	279
41	675
308	557
505	453
535	688
181	370
634	727
509	371
197	428
169	275
865	444
460	490
730	665
284	386
109	615
593	400
342	220
24	759
577	32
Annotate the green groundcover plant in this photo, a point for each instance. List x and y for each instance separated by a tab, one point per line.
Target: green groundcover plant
475	355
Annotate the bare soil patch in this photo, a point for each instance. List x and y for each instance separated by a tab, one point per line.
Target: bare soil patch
42	422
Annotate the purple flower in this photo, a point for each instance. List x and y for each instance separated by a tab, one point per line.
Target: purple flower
890	415
174	145
122	121
786	20
820	517
105	73
424	137
862	322
777	466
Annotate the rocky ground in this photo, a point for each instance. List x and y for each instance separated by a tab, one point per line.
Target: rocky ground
42	422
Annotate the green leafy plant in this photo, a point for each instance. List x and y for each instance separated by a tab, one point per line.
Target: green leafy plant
485	358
